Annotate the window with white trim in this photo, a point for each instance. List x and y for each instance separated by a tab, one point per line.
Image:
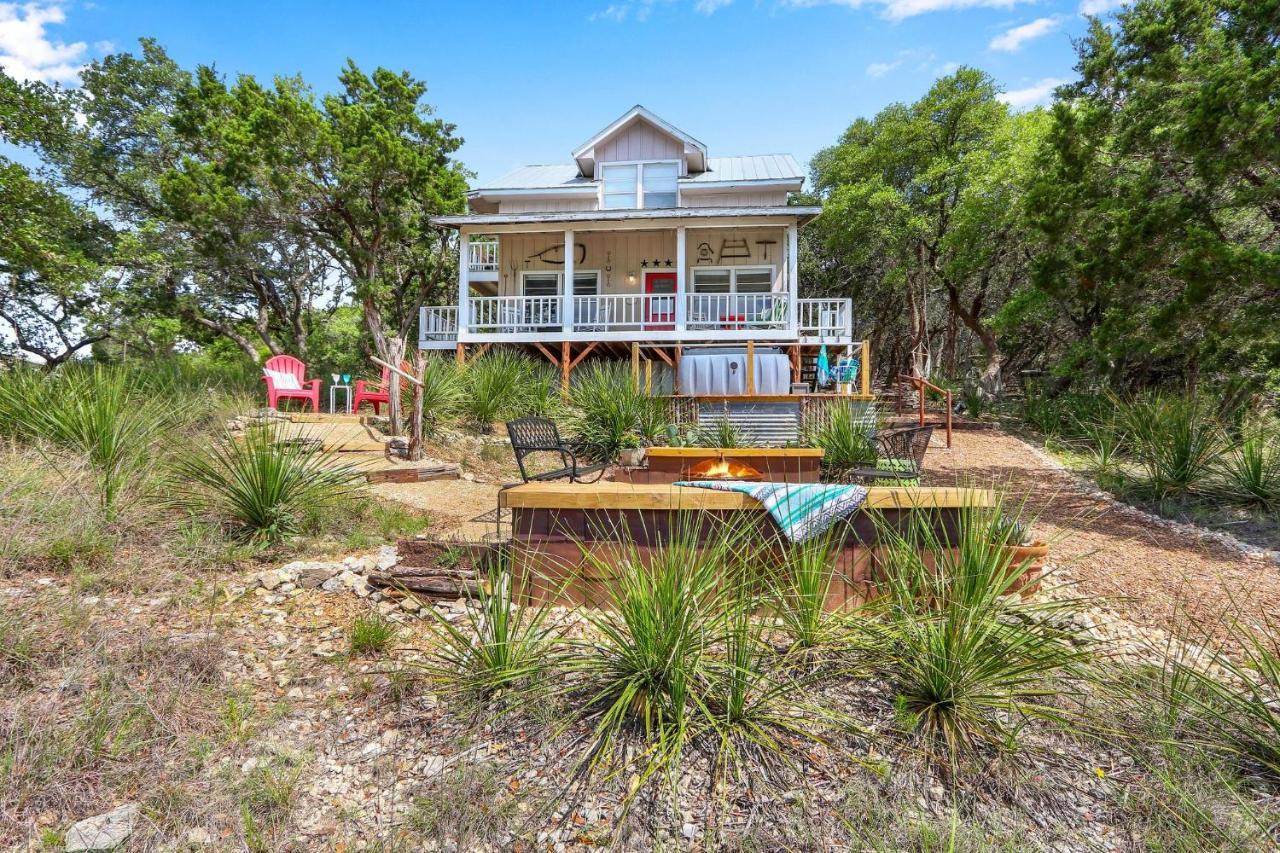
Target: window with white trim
733	280
585	283
636	185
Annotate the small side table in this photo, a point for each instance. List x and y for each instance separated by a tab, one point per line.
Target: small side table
346	394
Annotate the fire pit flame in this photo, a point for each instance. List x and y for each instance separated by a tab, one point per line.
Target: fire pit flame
723	469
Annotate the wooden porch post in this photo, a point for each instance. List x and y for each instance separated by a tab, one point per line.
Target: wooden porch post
460	354
682	308
648	376
675	370
751	368
566	305
635	365
866	370
565	367
795	363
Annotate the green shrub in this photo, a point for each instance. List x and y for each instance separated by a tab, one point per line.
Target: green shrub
1252	468
1177	440
501	645
260	484
371	634
606	406
800	588
99	412
496	386
967	662
722	433
443	390
845	442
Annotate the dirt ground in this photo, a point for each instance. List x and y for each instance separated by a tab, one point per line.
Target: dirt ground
1152	573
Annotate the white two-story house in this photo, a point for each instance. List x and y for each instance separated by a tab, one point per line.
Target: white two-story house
644	245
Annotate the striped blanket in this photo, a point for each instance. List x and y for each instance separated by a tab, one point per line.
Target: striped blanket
802	510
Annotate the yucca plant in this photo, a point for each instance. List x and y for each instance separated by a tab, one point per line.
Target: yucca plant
260	483
97	412
502	645
845	442
1239	714
722	433
1252	468
1177	439
966	660
442	391
646	662
1104	438
799	591
495	387
606	407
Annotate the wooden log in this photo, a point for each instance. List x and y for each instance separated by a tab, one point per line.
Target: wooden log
410	573
413	475
442	587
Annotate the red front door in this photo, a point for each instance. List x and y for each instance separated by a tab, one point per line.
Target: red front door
660	307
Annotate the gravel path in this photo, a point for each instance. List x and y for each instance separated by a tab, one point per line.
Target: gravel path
1154	572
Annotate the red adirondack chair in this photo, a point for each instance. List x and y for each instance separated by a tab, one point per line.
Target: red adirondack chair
285	380
377	393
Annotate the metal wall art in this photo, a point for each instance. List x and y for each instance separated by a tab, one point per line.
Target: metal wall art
734	248
706	255
548	255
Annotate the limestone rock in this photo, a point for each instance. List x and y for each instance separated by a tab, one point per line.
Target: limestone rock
312	575
103	832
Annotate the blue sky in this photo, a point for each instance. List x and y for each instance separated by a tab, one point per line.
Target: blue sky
526	83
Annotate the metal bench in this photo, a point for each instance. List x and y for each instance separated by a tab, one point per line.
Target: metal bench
905	448
539	435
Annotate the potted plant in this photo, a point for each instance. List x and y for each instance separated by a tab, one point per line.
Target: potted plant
1024	553
631	452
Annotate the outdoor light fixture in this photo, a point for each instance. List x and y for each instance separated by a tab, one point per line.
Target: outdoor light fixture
631	278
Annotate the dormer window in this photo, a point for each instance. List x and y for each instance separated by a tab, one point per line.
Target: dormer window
632	185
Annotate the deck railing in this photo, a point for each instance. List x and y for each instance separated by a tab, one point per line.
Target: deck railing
621	312
483	255
497	314
439	323
826	318
738	310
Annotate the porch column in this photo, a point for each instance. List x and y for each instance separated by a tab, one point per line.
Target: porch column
793	278
682	305
566	307
464	280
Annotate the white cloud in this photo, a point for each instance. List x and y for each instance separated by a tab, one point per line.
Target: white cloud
1098	7
707	7
1013	39
879	69
948	68
26	53
614	12
897	10
1034	95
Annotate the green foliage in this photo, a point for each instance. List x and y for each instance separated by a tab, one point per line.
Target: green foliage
1156	193
502	645
443	389
1176	438
261	485
845	442
606	406
100	413
966	659
1252	467
371	634
722	433
800	588
503	384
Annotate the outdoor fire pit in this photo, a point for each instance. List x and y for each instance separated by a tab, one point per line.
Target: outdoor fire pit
774	464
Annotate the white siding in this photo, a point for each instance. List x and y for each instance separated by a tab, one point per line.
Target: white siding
638	141
534	204
733	198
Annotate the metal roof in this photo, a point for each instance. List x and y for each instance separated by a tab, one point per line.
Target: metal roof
558	176
803	214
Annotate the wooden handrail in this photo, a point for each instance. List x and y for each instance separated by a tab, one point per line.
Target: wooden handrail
921	385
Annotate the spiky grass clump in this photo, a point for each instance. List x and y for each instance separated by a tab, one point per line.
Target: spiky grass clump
371	634
800	589
261	485
1176	438
846	444
501	645
607	407
966	660
722	433
1251	470
443	390
100	413
495	387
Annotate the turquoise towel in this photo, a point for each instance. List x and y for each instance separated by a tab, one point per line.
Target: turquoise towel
802	510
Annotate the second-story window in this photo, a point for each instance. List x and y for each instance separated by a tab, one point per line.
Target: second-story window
631	185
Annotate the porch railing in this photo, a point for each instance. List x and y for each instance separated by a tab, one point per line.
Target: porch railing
483	255
439	323
738	310
497	314
826	318
622	311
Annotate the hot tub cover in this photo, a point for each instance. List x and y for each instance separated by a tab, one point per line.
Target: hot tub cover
723	372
